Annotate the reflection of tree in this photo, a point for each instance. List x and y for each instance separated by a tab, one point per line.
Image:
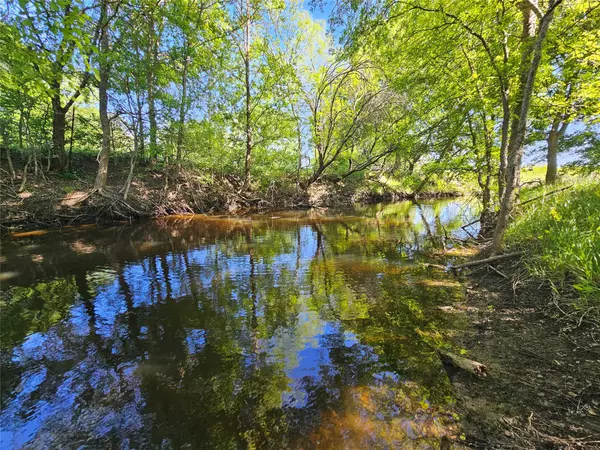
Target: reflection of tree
229	334
28	310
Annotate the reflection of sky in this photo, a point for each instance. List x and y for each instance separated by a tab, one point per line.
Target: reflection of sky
70	367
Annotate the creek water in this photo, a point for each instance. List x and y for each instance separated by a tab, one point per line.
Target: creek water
311	329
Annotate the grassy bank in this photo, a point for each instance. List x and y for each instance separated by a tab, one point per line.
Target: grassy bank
560	234
534	325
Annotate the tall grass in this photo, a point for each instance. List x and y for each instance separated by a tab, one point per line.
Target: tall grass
561	236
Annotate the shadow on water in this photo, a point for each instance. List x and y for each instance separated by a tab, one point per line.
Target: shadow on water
295	330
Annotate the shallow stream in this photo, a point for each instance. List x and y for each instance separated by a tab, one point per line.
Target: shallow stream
311	329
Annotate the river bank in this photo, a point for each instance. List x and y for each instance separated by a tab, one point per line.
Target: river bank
543	384
57	199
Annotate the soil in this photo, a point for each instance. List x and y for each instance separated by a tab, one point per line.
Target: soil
543	386
52	199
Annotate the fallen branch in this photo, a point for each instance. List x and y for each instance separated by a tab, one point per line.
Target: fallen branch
497	271
463	363
545	195
486	260
435	266
470	223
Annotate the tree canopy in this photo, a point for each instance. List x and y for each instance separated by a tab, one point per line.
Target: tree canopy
404	94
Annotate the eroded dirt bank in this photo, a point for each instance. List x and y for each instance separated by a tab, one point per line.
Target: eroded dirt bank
58	199
543	386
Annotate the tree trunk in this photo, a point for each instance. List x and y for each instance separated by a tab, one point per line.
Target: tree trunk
552	158
554	138
25	169
5	140
132	163
11	167
58	133
70	161
248	85
504	143
150	78
531	53
103	159
140	110
21	128
299	131
182	108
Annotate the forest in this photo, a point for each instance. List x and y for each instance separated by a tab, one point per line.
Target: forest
262	97
119	111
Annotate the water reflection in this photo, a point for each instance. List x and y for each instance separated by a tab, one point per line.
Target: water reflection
295	330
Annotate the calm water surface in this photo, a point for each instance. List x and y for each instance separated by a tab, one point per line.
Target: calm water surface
290	330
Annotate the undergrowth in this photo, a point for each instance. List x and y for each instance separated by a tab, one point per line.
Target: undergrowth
561	235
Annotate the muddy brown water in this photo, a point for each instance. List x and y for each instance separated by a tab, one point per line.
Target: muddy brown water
311	329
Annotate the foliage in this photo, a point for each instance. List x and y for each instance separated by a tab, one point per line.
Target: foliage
562	236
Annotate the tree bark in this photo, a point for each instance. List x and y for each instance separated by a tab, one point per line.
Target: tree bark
5	140
150	78
104	73
552	157
58	132
554	137
139	111
70	160
248	86
531	53
504	143
182	107
132	163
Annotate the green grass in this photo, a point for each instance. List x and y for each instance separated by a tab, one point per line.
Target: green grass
533	173
561	233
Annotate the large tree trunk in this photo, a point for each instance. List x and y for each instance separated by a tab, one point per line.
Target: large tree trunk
531	53
103	159
182	108
58	133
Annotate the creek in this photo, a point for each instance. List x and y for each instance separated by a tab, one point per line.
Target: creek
297	329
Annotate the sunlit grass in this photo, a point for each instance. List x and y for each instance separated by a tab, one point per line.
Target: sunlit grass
533	173
561	233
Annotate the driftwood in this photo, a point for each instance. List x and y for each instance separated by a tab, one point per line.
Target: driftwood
486	260
435	266
463	363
